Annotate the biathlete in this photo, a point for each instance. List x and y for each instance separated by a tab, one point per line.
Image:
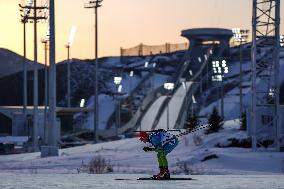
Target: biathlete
163	143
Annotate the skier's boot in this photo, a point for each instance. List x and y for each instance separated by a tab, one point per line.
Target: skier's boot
167	174
164	174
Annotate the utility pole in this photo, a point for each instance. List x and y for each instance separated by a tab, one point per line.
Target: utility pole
26	9
45	43
34	19
53	131
35	92
24	21
95	5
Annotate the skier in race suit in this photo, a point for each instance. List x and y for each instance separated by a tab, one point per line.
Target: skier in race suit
163	143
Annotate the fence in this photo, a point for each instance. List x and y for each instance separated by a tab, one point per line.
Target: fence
145	50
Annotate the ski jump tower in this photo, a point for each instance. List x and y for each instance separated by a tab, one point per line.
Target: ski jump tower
265	108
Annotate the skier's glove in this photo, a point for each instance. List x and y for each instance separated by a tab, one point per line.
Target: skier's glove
147	149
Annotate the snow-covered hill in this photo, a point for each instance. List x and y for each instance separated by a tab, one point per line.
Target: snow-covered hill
231	86
127	156
11	63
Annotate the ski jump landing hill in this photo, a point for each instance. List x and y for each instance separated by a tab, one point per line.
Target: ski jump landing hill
171	110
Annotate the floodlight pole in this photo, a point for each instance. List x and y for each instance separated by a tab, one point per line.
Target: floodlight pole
53	131
118	112
168	116
117	82
44	41
35	83
24	21
34	18
241	78
222	98
168	88
243	38
68	75
96	103
130	82
95	4
192	108
277	121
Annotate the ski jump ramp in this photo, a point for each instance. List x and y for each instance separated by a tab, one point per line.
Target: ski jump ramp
149	118
174	105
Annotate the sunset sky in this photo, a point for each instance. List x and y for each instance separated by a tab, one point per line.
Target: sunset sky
123	23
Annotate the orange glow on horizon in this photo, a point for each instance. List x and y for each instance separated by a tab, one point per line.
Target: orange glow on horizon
122	23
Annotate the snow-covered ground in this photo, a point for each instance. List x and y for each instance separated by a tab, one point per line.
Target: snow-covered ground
127	156
84	181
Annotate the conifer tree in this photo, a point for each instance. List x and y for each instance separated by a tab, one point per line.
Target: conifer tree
192	122
215	121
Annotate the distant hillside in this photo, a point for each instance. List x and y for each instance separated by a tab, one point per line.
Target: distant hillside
82	85
11	62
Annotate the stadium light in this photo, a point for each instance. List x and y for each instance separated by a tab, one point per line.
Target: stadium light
240	35
71	35
146	64
131	74
82	103
117	80
271	92
193	99
220	67
199	59
282	40
119	89
169	86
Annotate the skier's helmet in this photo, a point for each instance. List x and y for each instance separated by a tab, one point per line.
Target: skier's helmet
143	136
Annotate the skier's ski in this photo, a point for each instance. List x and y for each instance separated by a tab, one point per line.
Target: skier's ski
177	178
151	178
